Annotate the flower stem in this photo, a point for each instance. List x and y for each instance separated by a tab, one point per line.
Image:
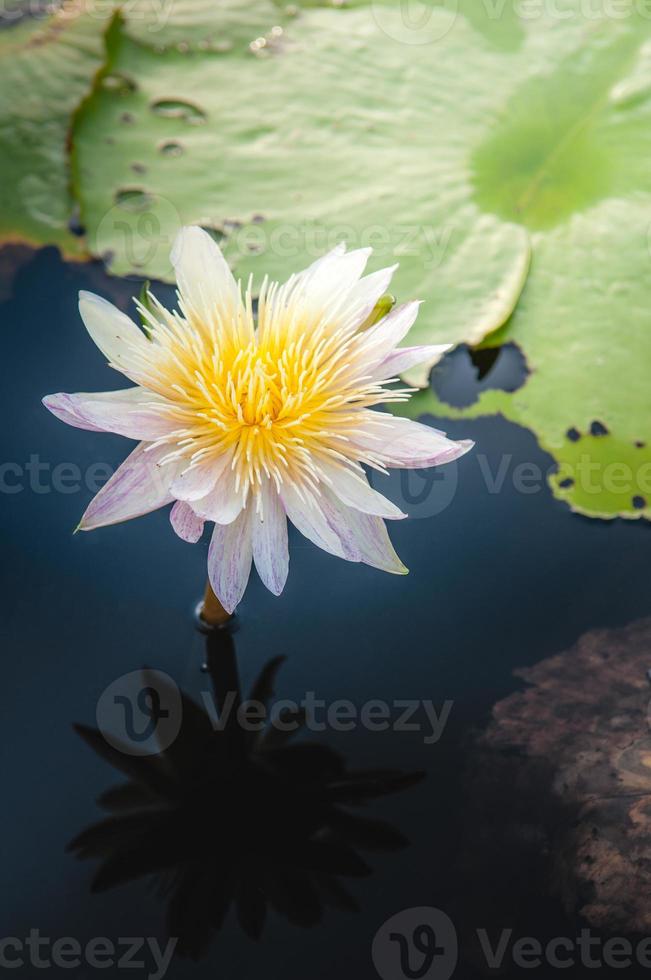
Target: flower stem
212	611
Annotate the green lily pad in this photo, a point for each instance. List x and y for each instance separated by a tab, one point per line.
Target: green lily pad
460	142
584	322
283	160
204	25
573	168
587	397
46	67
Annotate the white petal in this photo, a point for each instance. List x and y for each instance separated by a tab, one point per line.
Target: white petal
402	358
196	481
140	485
270	551
204	279
185	522
363	536
404	444
326	284
229	560
132	412
368	290
376	343
223	504
353	489
309	519
115	334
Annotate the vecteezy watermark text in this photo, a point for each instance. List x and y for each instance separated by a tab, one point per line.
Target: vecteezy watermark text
342	715
422	493
142	953
419	22
140	713
422	942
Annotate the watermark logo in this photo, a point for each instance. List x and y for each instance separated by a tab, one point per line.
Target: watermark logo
421	944
140	227
415	22
420	493
140	713
416	944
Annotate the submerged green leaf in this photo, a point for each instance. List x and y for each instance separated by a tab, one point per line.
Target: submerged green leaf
47	65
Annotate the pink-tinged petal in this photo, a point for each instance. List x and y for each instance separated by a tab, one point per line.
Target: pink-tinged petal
353	489
204	279
119	339
363	536
185	522
404	444
223	504
308	518
270	550
132	412
141	484
229	560
197	481
376	343
402	358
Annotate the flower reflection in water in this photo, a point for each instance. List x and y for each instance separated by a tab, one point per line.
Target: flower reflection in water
230	817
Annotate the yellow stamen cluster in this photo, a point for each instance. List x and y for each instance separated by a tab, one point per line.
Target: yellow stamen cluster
271	401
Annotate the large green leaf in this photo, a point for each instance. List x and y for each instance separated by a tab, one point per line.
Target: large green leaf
203	25
570	159
46	67
584	322
335	129
453	141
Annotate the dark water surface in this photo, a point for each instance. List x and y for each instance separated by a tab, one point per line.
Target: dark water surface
498	579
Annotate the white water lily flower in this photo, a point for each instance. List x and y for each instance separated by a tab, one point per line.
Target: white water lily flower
248	420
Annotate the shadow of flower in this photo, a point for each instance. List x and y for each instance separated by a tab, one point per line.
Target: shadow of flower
228	816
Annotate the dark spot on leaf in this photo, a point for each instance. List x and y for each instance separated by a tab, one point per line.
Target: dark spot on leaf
119	83
215	233
639	444
133	199
567	482
171	149
139	168
598	429
127	117
573	434
178	109
257	219
639	503
74	224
